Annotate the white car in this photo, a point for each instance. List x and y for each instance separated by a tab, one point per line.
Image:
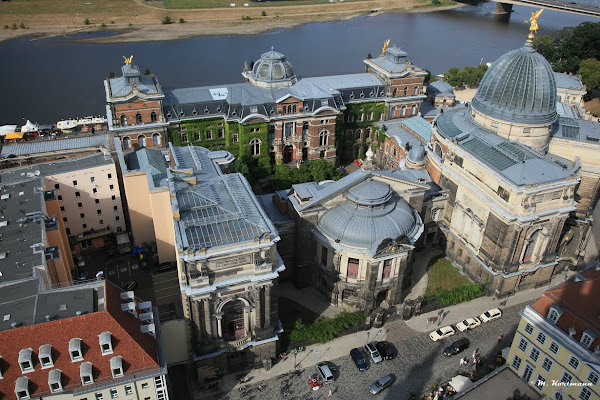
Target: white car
468	323
373	352
441	333
490	315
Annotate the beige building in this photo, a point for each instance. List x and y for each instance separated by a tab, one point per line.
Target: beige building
556	348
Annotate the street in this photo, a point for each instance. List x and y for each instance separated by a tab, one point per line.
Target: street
420	364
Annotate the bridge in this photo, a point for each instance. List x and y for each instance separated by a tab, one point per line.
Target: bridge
505	6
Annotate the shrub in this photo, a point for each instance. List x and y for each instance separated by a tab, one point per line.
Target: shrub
436	2
112	22
264	13
166	20
14	25
5	26
22	25
246	18
324	330
130	24
459	294
181	20
103	26
86	21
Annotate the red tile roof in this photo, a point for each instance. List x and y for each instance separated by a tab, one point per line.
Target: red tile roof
579	300
138	350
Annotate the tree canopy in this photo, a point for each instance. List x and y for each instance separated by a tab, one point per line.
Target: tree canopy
315	170
469	75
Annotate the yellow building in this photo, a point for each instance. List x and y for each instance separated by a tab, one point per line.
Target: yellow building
556	348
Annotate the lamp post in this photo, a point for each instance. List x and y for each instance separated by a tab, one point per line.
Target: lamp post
368	334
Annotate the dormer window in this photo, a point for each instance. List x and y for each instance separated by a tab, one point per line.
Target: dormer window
25	361
105	343
54	380
22	388
116	366
45	356
587	337
85	373
554	313
75	349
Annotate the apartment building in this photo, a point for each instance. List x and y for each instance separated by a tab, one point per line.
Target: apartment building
556	348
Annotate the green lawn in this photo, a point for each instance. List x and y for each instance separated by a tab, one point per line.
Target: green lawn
443	275
195	4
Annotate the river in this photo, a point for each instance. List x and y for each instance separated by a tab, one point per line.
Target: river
50	79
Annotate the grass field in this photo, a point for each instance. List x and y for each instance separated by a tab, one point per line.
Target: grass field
197	4
593	106
442	276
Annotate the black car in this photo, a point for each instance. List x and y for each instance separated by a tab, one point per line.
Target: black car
457	347
386	350
361	363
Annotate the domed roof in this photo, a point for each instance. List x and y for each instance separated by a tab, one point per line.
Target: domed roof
272	68
416	154
369	215
519	87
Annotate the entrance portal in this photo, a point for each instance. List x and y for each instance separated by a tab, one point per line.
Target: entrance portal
288	153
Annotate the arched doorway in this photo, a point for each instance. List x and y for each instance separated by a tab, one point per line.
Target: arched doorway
233	320
288	153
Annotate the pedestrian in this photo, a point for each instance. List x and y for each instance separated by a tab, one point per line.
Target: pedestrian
330	393
499	338
440	313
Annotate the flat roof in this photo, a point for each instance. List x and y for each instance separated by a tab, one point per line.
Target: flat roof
39	146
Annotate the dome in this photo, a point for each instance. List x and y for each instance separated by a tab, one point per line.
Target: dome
272	68
519	87
355	224
416	155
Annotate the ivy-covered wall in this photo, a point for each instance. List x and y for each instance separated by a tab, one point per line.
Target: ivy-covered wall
344	152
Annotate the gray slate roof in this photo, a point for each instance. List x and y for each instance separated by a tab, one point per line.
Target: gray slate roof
403	130
47	146
147	159
566	81
393	61
516	162
440	88
146	83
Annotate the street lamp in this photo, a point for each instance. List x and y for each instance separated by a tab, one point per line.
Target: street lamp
368	334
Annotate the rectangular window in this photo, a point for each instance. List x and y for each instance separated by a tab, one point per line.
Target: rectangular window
566	378
527	372
324	256
535	353
593	377
64	219
387	269
68	231
59	197
541	338
554	348
352	268
547	364
92	179
56	186
62	208
586	340
234	138
184	137
74	183
80	205
516	364
94	190
101	222
526	130
117	218
540	382
529	328
84	226
145	385
112	187
458	161
585	393
99	212
523	345
116	208
128	389
82	215
505	195
253	110
208	135
77	194
574	362
324	102
495	125
114	393
97	201
109	176
99	396
361	116
113	197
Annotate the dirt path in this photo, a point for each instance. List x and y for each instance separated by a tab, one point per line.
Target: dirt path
137	21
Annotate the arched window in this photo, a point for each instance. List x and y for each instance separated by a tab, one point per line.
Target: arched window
394	111
156	139
123	120
233	320
141	141
255	147
368	133
395	92
138	118
126	142
416	90
531	246
394	151
294	109
359	134
413	110
323	138
405	91
437	148
152	116
403	111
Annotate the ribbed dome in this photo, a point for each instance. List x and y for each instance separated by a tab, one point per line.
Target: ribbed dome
365	227
519	87
369	193
272	68
416	154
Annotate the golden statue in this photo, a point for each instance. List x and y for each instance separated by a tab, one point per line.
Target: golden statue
533	27
128	60
385	46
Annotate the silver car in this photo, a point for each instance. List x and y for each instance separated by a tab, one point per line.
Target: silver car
382	383
373	352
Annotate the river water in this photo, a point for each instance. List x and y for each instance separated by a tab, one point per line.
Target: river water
51	79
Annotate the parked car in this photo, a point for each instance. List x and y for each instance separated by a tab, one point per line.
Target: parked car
166	267
441	333
324	372
490	315
457	347
372	351
386	350
382	383
80	261
361	363
468	323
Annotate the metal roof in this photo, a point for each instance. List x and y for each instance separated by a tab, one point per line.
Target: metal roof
420	126
46	146
147	159
565	81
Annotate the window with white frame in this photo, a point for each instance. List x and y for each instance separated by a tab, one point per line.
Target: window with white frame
86	373
547	364
114	393
353	268
559	396
541	338
574	362
585	393
523	344
587	338
554	347
255	147
516	364
535	354
25	361
99	396
116	366
22	388
55	381
593	377
45	356
323	138
105	340
554	313
540	382
128	389
566	378
145	385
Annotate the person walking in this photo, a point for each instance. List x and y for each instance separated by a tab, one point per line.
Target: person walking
330	393
499	338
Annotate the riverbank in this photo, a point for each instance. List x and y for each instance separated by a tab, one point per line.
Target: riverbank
135	21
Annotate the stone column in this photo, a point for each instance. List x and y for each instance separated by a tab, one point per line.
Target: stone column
197	320
219	317
247	320
267	305
207	319
257	309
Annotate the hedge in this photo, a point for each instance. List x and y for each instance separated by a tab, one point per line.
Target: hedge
324	330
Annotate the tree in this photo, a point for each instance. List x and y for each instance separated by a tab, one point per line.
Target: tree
86	21
181	20
589	69
166	20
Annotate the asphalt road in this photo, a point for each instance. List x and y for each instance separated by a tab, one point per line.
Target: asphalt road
419	365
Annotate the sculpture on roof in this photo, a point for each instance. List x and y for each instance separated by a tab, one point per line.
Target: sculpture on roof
128	60
533	27
385	47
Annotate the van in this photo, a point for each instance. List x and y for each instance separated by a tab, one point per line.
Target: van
325	373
